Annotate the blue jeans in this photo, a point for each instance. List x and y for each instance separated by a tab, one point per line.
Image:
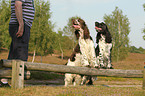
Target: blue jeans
19	46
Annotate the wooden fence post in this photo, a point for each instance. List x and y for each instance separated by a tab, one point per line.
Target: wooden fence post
17	74
144	77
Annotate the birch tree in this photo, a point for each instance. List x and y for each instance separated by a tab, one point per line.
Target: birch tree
42	29
118	25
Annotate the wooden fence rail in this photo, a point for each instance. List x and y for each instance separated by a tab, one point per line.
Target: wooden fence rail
8	74
78	70
5	73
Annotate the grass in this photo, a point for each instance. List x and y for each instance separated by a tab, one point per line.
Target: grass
72	91
134	61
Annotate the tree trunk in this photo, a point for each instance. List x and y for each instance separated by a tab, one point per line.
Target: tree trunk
33	57
61	51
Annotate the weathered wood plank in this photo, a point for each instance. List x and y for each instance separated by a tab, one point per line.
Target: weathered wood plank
79	70
17	74
7	73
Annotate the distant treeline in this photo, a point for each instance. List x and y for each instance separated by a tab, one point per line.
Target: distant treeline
133	49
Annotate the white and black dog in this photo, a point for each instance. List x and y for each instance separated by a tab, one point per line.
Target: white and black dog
104	47
83	54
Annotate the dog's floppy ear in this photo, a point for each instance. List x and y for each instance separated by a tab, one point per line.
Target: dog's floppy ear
77	34
105	26
86	30
82	22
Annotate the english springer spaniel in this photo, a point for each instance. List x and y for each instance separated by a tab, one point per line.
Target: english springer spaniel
103	49
83	54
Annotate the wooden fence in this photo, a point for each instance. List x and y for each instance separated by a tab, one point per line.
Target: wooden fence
18	71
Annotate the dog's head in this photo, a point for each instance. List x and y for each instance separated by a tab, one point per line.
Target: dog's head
100	27
80	24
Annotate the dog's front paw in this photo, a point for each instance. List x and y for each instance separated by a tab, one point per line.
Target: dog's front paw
102	67
88	66
97	67
110	67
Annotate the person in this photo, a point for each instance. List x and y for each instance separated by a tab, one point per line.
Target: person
22	16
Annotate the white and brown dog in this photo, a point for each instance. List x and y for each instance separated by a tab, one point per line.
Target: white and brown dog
83	54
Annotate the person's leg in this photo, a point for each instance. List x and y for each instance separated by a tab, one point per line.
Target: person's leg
19	46
22	45
12	31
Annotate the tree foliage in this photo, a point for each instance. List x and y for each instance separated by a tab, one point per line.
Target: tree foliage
41	38
133	49
144	28
118	25
5	14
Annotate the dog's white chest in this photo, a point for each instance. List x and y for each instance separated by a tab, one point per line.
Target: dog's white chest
102	39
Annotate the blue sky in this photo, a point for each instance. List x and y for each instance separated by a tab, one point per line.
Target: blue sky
94	10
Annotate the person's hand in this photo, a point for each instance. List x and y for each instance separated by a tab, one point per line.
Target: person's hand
20	31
